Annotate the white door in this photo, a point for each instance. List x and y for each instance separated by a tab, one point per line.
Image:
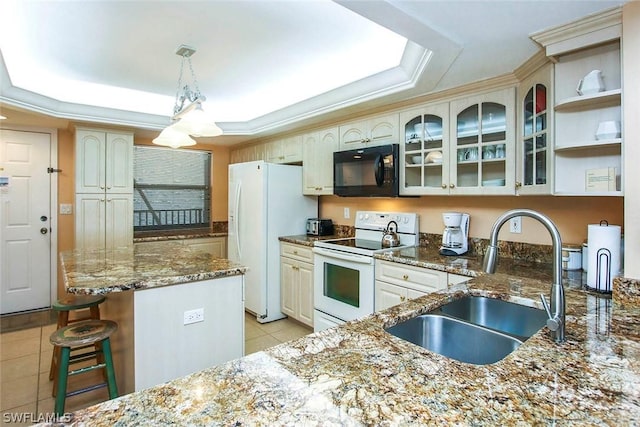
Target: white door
25	221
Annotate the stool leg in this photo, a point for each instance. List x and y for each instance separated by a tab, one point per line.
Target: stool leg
111	374
63	371
63	320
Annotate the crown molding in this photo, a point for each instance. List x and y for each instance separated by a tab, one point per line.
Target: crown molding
593	29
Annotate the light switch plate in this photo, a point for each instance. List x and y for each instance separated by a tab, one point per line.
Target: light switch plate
66	209
347	213
194	316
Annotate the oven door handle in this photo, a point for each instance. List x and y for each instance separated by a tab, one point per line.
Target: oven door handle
360	259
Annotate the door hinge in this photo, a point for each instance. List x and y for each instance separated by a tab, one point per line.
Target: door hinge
52	170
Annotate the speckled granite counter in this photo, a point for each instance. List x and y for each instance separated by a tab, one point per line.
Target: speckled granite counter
306	240
357	374
140	267
177	236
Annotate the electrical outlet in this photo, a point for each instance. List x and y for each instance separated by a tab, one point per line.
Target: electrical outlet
194	316
515	225
347	213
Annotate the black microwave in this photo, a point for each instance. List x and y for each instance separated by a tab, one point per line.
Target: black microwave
366	172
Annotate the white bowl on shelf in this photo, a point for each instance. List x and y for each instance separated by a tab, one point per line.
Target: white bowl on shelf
416	160
434	157
609	129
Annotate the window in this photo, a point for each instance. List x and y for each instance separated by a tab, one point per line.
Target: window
172	188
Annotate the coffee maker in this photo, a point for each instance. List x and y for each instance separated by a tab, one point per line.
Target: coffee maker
455	238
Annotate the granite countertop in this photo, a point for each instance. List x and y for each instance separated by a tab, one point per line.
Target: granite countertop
306	240
155	237
154	264
357	374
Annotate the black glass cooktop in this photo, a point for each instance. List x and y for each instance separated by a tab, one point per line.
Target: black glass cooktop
371	245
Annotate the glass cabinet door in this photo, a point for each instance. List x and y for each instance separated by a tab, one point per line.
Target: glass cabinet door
535	136
481	146
535	130
425	151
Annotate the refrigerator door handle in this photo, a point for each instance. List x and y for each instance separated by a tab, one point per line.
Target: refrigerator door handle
237	223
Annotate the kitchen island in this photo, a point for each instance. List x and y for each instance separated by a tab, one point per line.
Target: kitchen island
357	374
152	289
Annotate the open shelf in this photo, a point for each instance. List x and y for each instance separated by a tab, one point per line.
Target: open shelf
588	145
596	100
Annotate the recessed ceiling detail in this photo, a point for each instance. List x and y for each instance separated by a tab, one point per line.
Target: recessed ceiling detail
265	66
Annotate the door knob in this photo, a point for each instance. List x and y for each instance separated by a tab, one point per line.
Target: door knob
43	218
44	230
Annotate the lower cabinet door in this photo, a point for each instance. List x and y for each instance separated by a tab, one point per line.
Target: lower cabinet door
305	292
388	295
288	294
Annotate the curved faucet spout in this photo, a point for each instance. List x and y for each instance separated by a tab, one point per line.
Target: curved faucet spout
556	313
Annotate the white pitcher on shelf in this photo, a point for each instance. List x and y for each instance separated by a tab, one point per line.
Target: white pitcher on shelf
591	83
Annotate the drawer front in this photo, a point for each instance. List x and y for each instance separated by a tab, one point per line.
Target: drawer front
299	252
411	277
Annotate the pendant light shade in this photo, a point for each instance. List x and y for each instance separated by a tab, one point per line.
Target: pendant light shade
190	119
174	138
196	122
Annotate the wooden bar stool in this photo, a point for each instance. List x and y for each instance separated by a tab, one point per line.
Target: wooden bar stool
82	334
63	306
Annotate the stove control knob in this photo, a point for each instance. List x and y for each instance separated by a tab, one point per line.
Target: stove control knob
366	216
406	220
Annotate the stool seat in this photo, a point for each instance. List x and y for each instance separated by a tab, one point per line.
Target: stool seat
77	302
65	305
83	333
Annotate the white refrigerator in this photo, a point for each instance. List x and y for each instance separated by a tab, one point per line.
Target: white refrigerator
265	202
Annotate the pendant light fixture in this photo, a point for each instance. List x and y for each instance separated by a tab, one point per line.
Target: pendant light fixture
190	119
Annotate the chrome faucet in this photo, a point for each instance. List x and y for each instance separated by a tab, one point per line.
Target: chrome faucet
556	321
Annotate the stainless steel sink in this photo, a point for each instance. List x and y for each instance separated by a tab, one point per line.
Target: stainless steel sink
456	339
503	316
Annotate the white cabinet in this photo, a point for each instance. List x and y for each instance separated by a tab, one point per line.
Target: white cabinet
425	152
104	189
482	147
578	149
464	147
397	283
534	161
369	132
287	150
296	282
104	162
216	246
317	161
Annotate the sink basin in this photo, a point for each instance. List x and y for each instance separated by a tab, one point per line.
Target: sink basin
456	339
503	316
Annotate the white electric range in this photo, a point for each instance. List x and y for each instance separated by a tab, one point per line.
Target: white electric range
344	268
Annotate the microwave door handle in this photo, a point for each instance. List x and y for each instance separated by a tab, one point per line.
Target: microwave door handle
379	170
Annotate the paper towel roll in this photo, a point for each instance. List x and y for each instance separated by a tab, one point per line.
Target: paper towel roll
604	256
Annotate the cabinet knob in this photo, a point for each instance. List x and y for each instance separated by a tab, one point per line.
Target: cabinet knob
444	186
518	184
403	299
109	187
452	186
295	252
102	187
405	277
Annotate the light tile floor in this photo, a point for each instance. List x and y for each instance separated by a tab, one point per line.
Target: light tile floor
25	357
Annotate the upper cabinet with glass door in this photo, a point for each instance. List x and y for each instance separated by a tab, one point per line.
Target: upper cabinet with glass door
482	148
425	150
534	157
